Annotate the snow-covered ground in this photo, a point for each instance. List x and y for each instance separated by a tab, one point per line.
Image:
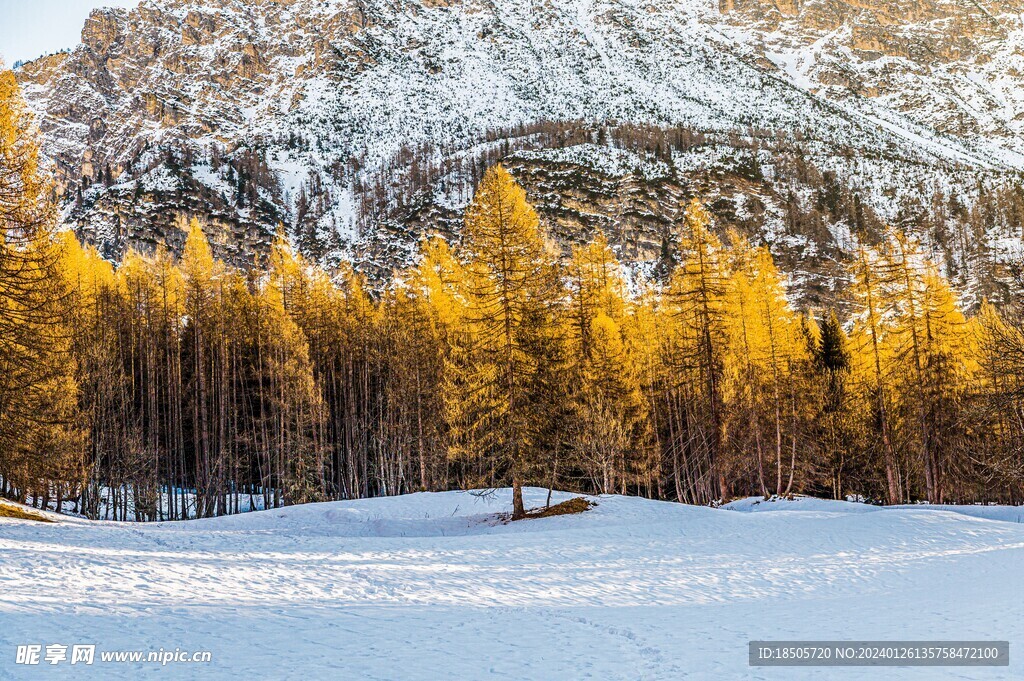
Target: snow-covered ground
434	586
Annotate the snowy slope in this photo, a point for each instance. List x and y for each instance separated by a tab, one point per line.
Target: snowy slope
434	586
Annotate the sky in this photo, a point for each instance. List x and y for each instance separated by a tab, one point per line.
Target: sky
32	28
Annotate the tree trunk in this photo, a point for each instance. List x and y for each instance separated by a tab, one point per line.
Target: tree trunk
518	510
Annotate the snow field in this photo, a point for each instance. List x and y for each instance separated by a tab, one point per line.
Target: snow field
435	586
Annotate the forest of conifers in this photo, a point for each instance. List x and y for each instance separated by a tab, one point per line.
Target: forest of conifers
168	387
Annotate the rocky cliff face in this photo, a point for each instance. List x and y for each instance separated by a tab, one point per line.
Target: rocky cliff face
954	66
362	124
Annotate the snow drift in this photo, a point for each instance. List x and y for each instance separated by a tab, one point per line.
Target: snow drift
436	586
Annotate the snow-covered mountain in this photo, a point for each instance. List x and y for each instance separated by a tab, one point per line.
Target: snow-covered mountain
953	66
361	124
